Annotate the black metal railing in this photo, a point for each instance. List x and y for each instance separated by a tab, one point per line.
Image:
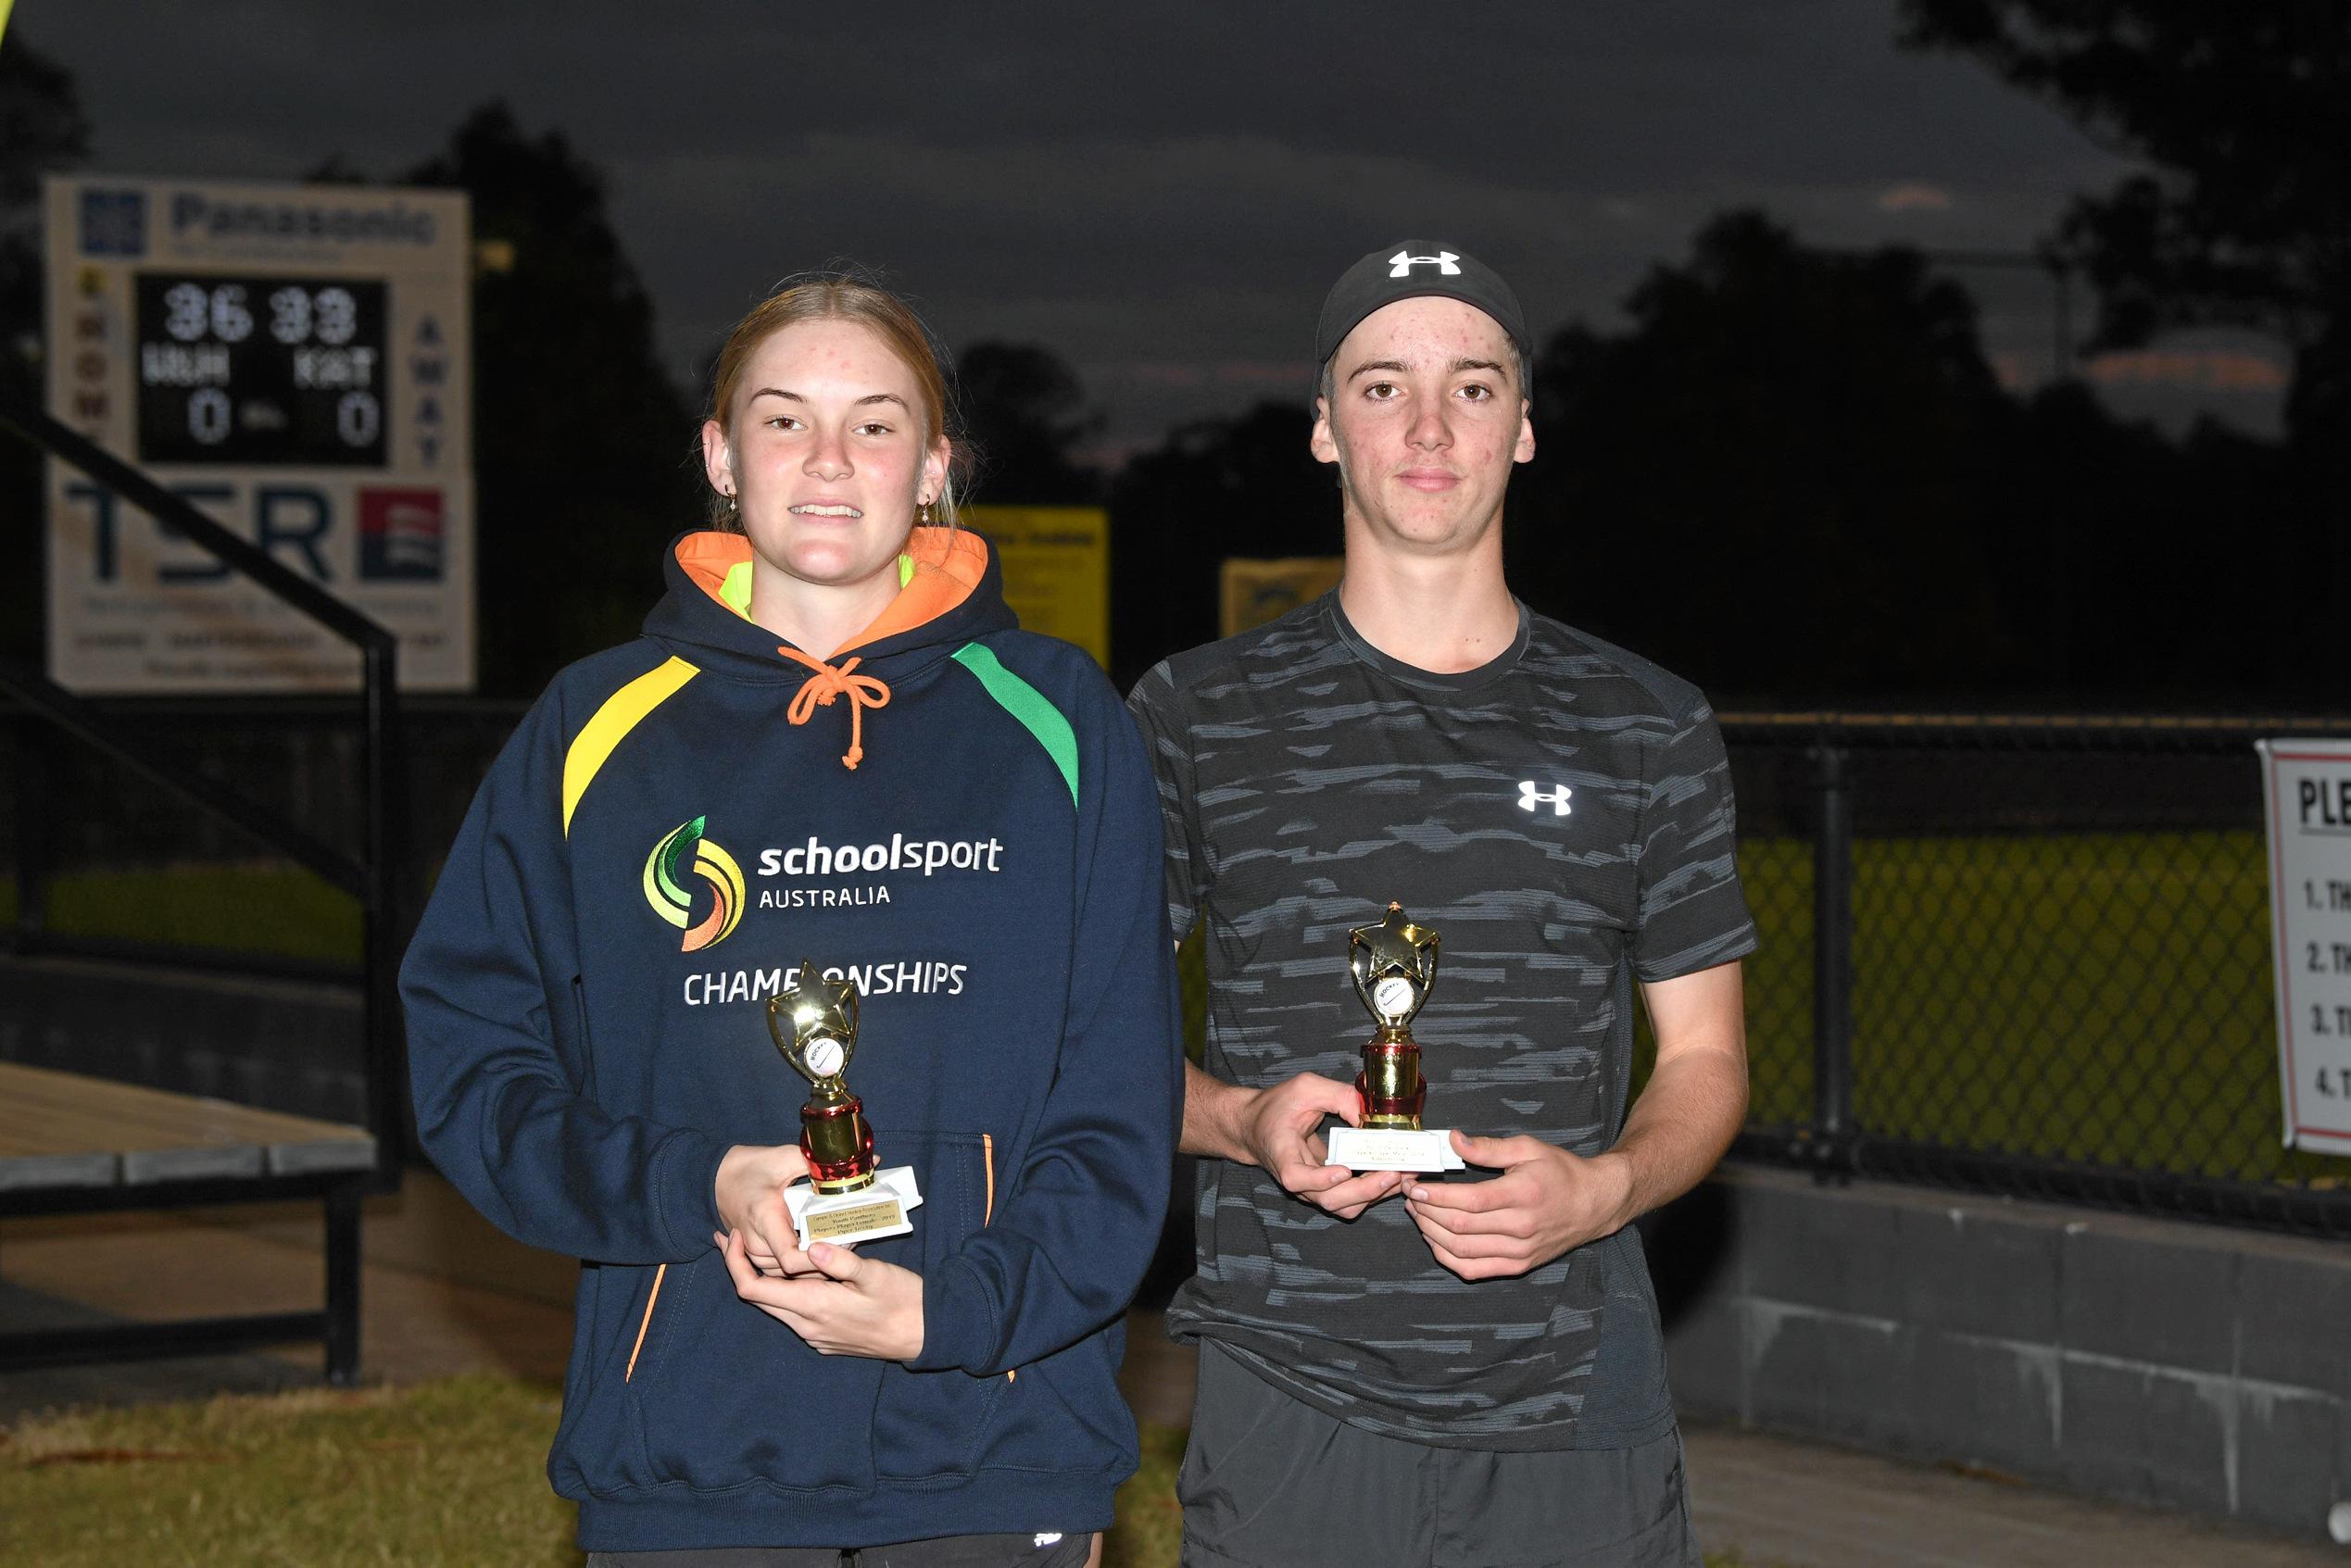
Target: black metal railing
371	876
2028	955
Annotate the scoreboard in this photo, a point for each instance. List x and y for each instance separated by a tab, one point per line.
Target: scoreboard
303	383
295	361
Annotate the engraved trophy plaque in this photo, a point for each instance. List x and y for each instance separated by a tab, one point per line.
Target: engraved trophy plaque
847	1196
1394	964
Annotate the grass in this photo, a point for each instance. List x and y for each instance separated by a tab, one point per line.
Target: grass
443	1474
447	1472
277	910
1150	1531
2102	997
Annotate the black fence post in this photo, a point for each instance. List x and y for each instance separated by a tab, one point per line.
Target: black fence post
384	776
343	1263
1832	1122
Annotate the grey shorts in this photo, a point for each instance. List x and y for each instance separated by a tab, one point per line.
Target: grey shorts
1271	1483
947	1551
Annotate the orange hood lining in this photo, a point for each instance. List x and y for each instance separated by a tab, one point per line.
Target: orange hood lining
949	564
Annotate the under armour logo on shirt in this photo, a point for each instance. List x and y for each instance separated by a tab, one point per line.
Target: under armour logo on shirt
1401	265
1555	797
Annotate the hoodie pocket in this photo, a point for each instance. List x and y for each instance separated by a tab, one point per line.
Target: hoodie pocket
723	1394
931	1424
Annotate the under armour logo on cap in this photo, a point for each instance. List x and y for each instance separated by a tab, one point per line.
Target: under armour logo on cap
1401	265
1408	269
1555	797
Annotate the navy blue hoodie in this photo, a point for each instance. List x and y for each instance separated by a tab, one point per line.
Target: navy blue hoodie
652	857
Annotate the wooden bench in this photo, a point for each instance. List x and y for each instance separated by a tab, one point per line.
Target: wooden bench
75	1145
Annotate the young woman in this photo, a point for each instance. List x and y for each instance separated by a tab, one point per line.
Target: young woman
832	742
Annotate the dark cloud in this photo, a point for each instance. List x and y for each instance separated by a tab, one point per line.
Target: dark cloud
1159	194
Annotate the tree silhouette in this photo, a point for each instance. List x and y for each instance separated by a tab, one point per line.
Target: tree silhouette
2245	111
1772	482
41	126
582	441
2136	570
1794	479
1026	413
42	130
1243	486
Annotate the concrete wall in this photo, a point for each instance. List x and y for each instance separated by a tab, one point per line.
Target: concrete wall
2175	1365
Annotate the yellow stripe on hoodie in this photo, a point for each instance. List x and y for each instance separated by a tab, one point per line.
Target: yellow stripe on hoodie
622	712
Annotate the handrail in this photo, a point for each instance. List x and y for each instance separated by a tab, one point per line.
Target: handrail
1868	727
373	877
61	708
43	430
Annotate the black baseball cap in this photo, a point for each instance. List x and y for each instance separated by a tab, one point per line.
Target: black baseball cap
1407	271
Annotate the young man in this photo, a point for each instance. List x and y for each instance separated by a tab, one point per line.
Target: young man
1420	1369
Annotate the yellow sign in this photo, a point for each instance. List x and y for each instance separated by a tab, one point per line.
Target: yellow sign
1254	591
1056	564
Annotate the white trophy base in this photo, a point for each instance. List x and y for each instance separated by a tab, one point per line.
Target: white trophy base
866	1215
1392	1148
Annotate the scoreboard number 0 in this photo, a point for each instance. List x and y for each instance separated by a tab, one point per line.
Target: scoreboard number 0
208	414
357	418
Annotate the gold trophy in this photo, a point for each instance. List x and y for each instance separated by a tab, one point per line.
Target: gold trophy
848	1197
1395	965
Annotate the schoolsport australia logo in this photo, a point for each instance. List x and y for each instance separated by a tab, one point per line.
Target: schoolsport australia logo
686	854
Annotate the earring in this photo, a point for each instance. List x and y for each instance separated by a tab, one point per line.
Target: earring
925	515
732	506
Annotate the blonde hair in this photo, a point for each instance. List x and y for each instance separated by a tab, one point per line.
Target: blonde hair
847	296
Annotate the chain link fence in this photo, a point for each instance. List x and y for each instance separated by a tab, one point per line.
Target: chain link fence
98	862
2029	956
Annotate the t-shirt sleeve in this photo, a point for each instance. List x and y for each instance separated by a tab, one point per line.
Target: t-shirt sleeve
1157	706
1692	912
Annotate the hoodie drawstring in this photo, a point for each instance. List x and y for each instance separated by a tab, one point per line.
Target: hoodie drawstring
827	683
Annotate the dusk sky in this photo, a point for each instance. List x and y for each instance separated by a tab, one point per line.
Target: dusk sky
1160	197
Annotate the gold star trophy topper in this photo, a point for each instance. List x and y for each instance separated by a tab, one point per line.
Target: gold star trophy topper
1394	966
848	1197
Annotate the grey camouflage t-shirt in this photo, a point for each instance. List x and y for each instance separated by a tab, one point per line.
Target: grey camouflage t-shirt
1563	818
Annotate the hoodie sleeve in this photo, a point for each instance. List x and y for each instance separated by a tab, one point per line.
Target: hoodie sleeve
498	1056
1081	1216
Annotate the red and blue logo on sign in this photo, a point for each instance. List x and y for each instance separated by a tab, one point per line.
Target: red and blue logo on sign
401	538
